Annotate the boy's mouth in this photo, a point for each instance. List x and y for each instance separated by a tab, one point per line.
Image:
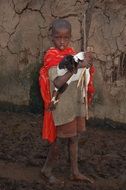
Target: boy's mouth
62	47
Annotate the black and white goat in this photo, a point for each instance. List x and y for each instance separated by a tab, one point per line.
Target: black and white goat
69	63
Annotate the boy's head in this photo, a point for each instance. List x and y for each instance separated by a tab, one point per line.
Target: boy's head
61	33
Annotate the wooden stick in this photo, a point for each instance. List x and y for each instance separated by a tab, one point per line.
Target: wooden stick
80	78
85	86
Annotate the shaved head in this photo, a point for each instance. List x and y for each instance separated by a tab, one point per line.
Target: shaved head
60	24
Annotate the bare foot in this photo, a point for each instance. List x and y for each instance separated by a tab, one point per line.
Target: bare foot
81	177
52	179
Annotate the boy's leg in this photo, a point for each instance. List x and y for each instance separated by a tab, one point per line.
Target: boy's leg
50	160
73	146
50	163
76	175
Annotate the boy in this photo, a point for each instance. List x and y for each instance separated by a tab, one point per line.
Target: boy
68	119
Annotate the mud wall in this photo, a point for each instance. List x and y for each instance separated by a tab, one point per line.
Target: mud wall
108	37
24	37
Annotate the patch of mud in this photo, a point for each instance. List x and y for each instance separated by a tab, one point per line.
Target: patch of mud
102	155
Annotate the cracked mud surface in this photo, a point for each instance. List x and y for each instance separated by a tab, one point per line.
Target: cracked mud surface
102	156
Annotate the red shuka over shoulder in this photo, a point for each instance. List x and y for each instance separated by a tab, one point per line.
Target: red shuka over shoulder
52	58
91	89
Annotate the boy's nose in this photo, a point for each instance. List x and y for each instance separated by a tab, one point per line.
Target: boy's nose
62	40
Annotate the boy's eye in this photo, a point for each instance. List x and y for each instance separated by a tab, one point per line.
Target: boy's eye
59	37
66	38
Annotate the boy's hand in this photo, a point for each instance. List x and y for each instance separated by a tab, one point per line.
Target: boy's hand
88	59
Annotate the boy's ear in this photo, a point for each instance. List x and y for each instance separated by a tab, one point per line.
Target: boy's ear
51	40
50	37
70	38
50	33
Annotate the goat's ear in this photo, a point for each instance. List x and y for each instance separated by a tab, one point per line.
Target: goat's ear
70	58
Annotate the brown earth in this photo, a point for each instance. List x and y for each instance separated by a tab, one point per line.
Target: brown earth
102	155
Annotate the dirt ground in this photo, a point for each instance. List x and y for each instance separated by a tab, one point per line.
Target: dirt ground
102	156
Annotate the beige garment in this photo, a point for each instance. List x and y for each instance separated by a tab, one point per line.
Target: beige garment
72	128
71	103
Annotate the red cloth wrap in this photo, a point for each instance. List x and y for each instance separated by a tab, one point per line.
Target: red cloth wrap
51	58
91	89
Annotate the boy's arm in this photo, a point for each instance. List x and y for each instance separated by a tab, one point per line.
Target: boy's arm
59	81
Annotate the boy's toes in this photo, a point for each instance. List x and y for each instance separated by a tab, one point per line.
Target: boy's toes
55	181
81	177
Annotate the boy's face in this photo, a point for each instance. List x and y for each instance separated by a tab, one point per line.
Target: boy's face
61	38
